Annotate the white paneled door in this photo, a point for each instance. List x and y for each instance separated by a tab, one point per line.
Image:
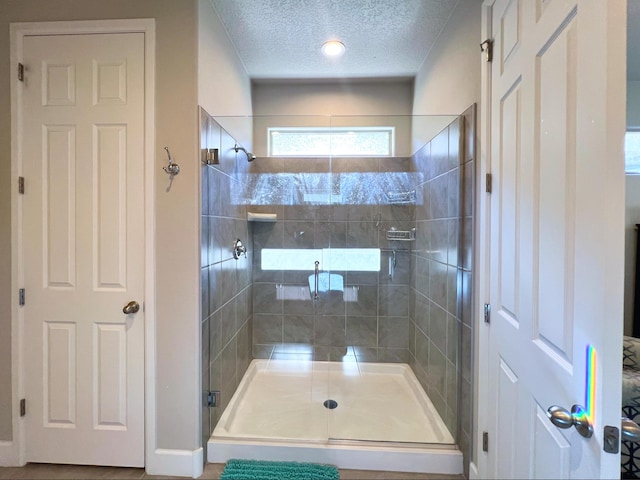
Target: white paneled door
82	142
556	228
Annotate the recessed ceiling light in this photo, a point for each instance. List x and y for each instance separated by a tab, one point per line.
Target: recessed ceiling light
333	48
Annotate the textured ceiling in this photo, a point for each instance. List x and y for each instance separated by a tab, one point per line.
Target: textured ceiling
282	38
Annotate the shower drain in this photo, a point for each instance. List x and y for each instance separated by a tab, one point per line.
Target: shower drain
330	404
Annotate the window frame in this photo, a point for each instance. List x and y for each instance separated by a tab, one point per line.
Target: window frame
388	129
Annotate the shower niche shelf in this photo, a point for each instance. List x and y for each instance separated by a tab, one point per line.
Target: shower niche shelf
401	235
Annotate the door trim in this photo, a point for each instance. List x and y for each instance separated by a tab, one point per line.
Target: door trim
482	424
14	454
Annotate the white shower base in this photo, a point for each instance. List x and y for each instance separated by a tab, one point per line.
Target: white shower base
383	421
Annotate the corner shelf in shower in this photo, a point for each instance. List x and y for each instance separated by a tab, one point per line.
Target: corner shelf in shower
261	217
402	235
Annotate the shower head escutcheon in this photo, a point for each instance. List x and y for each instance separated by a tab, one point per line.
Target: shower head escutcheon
250	156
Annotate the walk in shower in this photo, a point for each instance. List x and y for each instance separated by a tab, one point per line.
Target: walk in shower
340	331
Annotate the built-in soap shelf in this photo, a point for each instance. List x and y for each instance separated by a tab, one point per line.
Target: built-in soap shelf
402	235
261	217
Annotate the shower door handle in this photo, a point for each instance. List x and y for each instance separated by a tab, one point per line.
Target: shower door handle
317	270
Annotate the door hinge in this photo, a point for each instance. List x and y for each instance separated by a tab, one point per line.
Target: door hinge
488	182
21	185
213	398
20	72
611	439
21	300
487	313
487	47
485	441
23	407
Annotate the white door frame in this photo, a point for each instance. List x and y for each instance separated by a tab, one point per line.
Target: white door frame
14	452
478	459
478	467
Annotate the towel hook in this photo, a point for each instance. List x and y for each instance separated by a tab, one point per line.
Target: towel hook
173	168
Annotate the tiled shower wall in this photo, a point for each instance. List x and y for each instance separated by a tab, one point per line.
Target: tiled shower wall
441	290
225	281
337	203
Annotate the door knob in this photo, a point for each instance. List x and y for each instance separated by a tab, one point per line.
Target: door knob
131	307
562	418
630	430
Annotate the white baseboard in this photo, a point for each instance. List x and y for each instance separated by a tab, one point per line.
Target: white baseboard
179	463
9	455
473	471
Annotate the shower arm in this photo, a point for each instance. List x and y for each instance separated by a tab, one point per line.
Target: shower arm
250	156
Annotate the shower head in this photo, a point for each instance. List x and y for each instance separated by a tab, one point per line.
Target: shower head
250	156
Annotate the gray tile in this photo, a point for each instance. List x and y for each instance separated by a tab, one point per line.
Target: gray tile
421	268
367	304
422	350
466	353
467	298
362	234
264	299
214	281
455	141
422	313
438	240
468	188
330	303
438	283
215	336
452	290
393	355
228	367
439	199
421	159
227	322
393	332
204	241
439	154
362	331
204	293
262	351
267	329
453	192
453	334
298	329
299	235
422	210
452	242
437	371
227	286
329	331
393	301
438	327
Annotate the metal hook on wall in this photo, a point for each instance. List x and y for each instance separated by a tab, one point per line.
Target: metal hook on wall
173	168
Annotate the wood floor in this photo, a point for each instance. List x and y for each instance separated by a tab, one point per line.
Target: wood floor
35	471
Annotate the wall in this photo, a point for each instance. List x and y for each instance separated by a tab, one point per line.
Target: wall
440	304
449	80
225	281
448	83
332	103
224	88
366	315
331	97
177	240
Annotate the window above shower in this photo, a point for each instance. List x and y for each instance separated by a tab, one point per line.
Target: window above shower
341	141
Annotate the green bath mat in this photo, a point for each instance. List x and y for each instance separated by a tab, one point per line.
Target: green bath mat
262	470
